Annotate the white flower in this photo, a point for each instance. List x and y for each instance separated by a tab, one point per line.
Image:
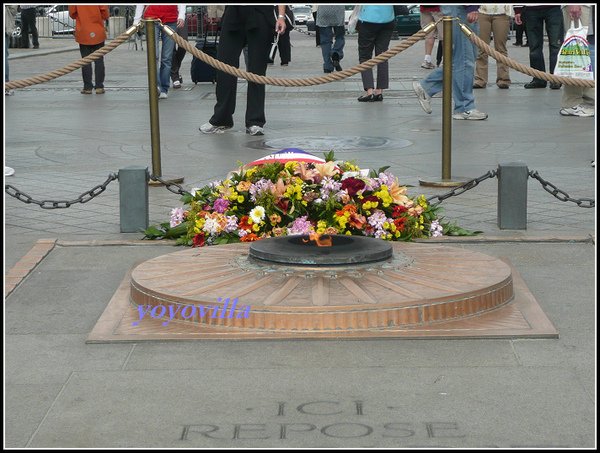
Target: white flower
194	190
257	214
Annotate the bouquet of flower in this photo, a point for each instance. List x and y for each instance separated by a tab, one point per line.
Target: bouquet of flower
297	197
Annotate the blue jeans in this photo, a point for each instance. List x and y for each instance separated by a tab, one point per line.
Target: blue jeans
166	57
463	64
534	27
328	46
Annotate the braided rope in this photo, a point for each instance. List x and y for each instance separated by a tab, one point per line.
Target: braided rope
521	67
23	83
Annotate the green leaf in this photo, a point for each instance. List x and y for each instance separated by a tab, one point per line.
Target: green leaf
329	156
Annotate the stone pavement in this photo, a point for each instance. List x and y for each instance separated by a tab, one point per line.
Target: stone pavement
61	392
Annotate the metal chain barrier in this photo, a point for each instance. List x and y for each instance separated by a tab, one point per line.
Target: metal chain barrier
561	194
461	189
170	186
23	83
50	204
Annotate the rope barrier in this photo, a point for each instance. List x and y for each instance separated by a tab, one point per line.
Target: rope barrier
310	81
23	83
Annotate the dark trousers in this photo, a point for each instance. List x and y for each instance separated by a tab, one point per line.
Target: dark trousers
519	30
317	32
86	71
179	54
231	45
535	19
285	47
28	24
372	36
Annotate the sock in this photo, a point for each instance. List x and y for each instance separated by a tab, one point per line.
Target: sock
428	58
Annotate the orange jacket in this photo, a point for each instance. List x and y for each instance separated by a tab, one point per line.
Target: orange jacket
89	23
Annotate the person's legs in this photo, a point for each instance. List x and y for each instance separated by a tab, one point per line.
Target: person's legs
326	44
340	40
534	28
178	56
259	42
99	67
25	24
556	33
285	47
501	28
230	47
366	43
86	71
426	18
166	58
317	30
481	65
382	43
463	62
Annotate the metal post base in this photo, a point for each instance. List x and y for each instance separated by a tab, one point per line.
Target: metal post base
454	182
167	179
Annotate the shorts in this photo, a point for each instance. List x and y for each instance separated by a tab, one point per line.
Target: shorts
431	16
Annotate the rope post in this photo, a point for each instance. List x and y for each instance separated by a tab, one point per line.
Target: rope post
133	199
446	180
512	196
153	101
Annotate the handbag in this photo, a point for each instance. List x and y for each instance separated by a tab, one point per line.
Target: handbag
574	59
353	19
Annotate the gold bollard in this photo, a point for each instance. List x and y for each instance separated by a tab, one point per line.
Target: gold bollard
153	102
446	180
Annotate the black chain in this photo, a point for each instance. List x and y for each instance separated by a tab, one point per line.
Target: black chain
50	204
461	189
561	194
169	186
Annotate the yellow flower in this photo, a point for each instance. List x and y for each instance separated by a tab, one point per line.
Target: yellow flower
243	186
240	199
255	227
251	171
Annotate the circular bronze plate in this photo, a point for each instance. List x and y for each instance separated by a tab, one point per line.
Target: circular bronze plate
428	284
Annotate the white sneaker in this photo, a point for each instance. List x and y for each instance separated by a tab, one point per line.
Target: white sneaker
427	65
424	98
470	115
578	110
163	95
255	130
208	128
177	84
8	171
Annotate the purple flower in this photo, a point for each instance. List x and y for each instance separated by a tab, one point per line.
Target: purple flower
176	216
259	187
221	205
300	226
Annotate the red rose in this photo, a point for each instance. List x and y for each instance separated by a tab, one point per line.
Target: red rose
353	185
398	211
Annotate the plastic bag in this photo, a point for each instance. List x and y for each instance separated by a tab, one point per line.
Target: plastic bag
574	55
353	19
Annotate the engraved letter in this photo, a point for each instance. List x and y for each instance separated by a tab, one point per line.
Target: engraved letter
192	429
238	428
284	428
367	430
432	433
391	426
301	408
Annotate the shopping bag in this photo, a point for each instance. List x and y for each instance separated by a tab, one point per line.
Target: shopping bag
574	55
353	19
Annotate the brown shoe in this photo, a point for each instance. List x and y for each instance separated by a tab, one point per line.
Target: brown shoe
503	86
86	91
99	90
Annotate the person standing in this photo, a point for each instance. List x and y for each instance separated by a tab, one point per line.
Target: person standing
375	27
90	34
579	101
172	16
330	22
317	33
535	17
28	26
253	26
431	13
178	55
493	19
463	66
10	11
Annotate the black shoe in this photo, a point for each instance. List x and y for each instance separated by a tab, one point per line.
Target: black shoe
378	97
555	86
518	44
479	86
525	44
327	71
335	59
535	84
367	98
36	47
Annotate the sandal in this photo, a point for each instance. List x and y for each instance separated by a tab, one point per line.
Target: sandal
366	98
